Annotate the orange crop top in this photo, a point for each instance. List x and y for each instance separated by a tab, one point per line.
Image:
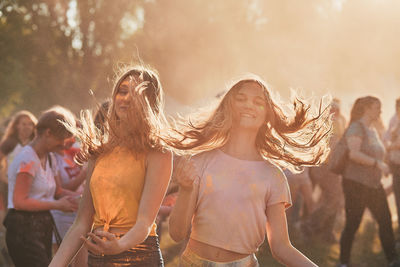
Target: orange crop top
116	186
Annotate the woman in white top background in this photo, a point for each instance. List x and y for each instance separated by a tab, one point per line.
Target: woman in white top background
19	132
33	192
233	192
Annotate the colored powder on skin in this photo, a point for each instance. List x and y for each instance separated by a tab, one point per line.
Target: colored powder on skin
26	167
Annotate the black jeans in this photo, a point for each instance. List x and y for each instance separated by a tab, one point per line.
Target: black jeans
358	197
146	254
28	237
395	169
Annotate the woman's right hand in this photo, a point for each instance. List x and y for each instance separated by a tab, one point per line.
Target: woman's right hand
67	204
183	172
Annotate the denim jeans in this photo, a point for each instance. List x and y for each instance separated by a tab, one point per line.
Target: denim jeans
190	259
146	254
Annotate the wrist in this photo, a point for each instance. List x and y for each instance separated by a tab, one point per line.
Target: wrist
122	245
55	205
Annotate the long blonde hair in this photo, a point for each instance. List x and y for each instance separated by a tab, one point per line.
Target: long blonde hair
144	124
288	142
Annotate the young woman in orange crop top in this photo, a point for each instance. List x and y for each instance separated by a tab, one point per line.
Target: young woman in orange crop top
128	174
233	192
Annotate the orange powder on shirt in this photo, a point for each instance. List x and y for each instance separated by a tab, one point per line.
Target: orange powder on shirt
116	186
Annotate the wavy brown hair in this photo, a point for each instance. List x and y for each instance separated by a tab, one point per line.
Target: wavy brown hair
144	124
360	105
290	142
11	133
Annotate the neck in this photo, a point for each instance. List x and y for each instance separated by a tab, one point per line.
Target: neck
39	146
241	144
366	120
24	140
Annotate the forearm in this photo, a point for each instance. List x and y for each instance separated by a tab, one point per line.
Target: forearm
70	245
62	192
31	204
181	218
362	158
290	256
136	235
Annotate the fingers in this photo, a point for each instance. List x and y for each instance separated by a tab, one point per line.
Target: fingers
92	247
107	235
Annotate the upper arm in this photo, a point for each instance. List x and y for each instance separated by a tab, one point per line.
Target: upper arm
86	208
354	136
22	187
277	231
157	177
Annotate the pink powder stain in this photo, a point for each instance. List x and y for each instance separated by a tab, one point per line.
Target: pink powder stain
254	189
209	184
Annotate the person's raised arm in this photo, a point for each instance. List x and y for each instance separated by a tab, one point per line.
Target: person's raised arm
81	226
180	220
278	238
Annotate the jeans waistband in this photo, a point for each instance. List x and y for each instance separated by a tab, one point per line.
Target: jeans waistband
189	258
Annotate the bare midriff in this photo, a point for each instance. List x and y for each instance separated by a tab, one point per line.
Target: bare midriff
212	253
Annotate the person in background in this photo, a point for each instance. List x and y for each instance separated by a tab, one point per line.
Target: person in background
361	182
322	221
300	186
19	132
72	177
33	192
392	141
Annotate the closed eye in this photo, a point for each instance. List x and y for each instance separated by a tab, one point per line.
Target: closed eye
240	97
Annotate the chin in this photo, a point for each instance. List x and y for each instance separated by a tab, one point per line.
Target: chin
246	126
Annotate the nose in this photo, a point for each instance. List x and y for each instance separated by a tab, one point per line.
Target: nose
249	105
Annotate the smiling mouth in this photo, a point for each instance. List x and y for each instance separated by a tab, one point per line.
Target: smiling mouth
247	115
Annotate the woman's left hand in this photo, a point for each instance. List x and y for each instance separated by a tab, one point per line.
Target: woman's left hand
103	243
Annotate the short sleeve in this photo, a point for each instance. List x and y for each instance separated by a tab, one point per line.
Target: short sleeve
279	189
355	130
27	165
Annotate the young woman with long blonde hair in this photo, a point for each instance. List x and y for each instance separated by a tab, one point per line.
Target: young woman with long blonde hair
233	192
128	174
